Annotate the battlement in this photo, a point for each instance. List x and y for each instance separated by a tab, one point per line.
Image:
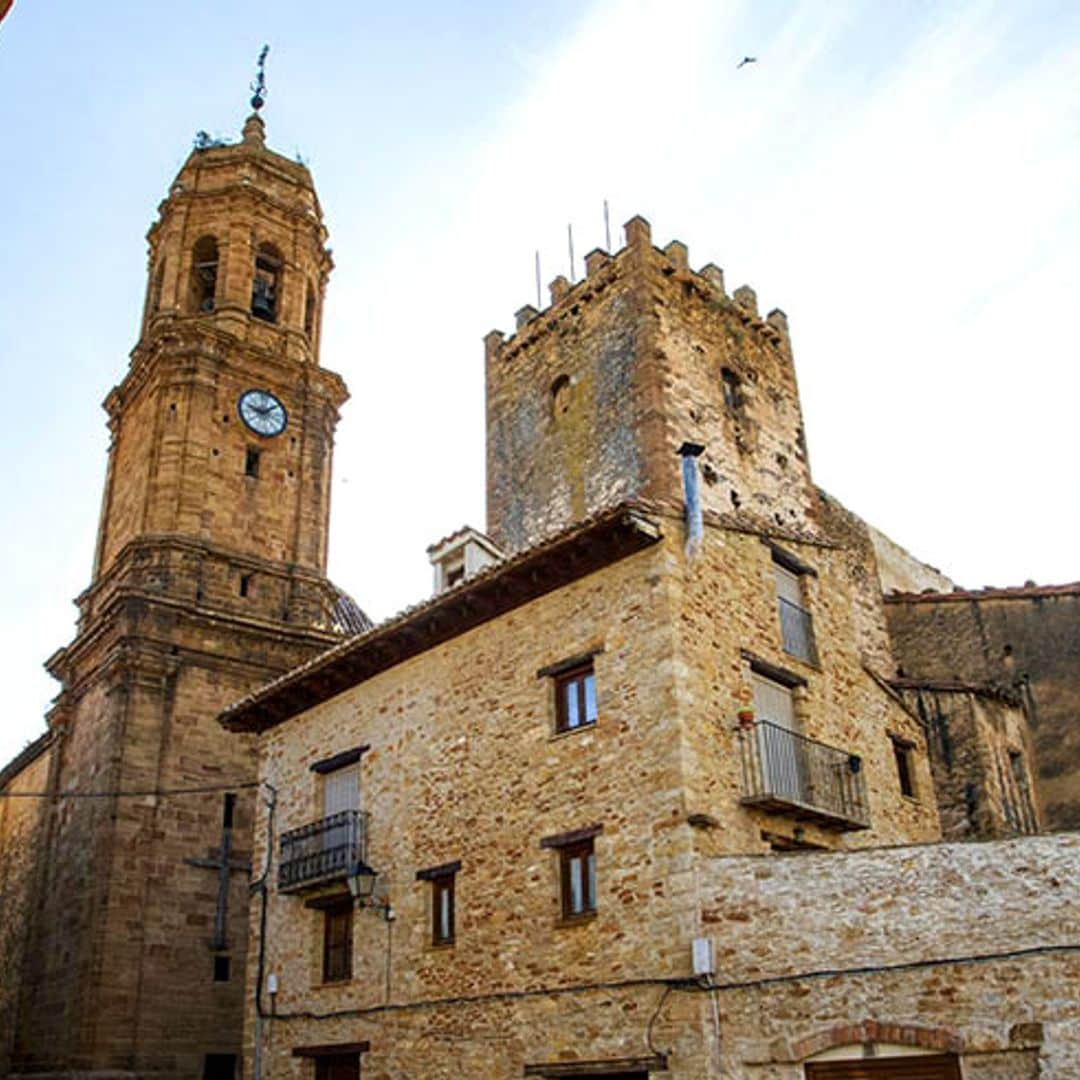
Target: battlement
603	269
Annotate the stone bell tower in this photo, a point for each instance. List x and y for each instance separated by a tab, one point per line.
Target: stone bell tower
208	580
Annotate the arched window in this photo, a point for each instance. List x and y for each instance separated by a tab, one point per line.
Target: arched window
266	285
204	267
309	310
560	397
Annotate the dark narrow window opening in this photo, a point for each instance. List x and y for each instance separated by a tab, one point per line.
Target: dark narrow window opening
309	310
577	872
228	810
245	584
560	396
442	909
575	698
266	285
732	389
221	969
251	462
204	271
905	771
337	942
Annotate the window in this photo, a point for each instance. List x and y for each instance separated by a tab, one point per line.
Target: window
309	310
577	870
221	969
266	285
729	381
796	626
560	396
575	698
338	1067
442	900
904	753
337	941
204	269
245	584
219	1067
251	462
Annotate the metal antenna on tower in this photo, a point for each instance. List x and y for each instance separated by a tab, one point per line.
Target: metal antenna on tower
570	241
607	229
258	87
538	304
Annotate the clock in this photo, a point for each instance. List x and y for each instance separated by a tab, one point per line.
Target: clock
262	412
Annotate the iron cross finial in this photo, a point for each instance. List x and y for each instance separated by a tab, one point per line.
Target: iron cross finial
258	87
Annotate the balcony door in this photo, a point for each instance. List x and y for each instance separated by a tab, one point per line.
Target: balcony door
783	764
341	792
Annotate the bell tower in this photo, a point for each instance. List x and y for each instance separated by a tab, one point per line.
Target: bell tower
222	429
208	581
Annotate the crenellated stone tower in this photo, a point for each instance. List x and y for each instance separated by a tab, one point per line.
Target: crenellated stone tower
208	580
590	400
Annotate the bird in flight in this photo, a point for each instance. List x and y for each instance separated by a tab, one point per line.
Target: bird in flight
746	60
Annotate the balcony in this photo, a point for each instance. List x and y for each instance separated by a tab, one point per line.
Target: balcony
323	851
797	631
790	774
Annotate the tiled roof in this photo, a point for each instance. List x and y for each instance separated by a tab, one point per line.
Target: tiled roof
564	557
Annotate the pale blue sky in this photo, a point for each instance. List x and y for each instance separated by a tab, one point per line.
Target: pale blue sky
901	178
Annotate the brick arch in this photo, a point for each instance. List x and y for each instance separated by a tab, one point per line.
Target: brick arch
940	1039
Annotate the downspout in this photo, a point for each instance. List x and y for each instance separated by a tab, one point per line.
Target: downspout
695	526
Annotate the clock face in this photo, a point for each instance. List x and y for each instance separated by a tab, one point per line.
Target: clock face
262	412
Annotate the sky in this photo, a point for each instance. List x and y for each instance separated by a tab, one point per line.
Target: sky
903	179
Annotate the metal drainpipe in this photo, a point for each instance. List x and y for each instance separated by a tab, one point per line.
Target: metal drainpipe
695	526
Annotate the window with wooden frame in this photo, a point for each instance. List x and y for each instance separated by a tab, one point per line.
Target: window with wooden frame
442	900
338	940
575	697
904	755
577	871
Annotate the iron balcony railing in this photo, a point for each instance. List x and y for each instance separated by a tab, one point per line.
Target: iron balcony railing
797	631
323	850
789	773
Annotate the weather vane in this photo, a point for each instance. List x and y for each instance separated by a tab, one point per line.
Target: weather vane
258	87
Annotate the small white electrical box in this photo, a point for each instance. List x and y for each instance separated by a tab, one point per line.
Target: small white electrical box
703	956
271	983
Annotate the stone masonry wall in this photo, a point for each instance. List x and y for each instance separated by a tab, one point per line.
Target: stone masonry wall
963	947
589	401
22	828
728	608
980	750
1026	636
464	763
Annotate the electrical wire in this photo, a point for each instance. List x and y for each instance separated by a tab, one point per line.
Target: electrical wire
675	983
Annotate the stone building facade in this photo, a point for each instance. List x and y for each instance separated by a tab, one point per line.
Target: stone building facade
646	796
1023	641
124	947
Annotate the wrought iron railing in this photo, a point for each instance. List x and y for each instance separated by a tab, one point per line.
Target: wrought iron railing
322	850
797	631
786	771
